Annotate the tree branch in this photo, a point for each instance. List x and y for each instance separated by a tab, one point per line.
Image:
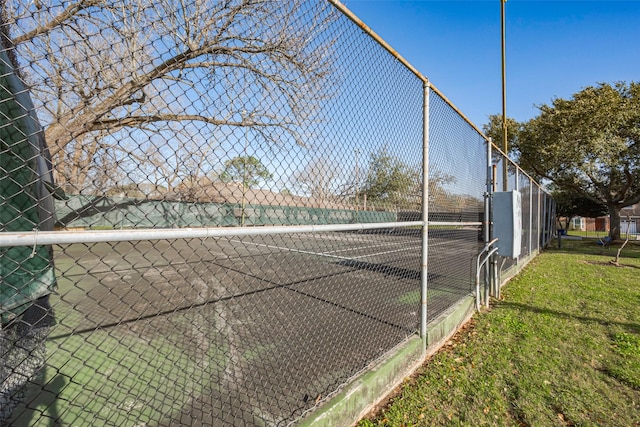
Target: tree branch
134	121
71	11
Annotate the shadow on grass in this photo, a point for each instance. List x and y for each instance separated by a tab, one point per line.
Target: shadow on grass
591	246
631	327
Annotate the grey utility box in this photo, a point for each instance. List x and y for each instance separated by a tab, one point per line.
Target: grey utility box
507	222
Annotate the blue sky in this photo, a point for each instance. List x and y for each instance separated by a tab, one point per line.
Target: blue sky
554	48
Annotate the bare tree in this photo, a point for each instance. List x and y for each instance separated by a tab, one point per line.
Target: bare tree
318	180
616	261
100	68
178	167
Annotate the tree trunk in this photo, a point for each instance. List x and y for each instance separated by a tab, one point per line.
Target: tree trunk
614	222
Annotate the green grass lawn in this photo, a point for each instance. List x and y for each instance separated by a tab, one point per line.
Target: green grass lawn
562	348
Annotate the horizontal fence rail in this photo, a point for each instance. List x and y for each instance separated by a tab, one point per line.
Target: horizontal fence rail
103	236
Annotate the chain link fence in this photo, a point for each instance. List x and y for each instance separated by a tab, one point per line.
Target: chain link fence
216	213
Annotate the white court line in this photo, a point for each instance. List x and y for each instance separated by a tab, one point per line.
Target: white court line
366	247
383	253
323	254
438	244
387	245
264	245
381	244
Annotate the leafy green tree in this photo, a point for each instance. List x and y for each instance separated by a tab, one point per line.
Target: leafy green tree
569	205
247	170
391	182
589	145
493	129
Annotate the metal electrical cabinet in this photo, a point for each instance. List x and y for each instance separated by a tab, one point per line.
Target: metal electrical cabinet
507	222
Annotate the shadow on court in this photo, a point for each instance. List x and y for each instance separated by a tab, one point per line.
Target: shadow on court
252	331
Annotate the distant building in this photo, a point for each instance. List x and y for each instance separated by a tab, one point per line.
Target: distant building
207	191
629	222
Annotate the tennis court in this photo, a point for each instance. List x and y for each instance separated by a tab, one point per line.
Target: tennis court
253	330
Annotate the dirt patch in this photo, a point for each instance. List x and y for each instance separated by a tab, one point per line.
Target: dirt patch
611	263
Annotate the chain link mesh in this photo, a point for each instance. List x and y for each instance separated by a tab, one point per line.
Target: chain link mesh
457	158
238	114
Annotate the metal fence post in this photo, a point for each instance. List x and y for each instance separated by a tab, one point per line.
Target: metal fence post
539	233
487	218
530	216
425	216
487	199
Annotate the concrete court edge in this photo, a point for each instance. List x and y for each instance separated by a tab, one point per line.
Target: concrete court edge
361	395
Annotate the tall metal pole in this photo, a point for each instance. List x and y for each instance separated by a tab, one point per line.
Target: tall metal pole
505	180
244	172
356	152
486	221
425	217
